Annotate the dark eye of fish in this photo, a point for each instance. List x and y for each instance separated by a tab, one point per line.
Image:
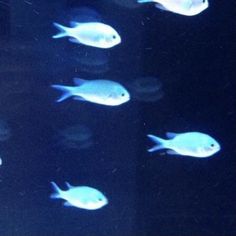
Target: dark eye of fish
114	37
122	94
203	1
212	145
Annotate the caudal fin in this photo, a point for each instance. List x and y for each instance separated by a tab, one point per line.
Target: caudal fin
63	31
159	143
66	91
57	191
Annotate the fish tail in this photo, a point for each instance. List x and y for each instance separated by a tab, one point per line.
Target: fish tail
160	143
63	31
67	91
57	191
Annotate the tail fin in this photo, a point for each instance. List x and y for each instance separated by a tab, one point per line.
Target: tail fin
63	31
66	91
57	191
159	143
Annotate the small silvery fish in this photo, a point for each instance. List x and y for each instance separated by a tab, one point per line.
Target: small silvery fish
105	92
193	144
93	34
83	197
182	7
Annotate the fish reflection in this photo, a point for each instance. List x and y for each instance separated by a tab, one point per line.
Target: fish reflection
5	132
146	89
126	3
75	137
92	60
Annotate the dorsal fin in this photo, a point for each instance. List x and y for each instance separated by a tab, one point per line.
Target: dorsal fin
68	185
78	81
74	24
171	135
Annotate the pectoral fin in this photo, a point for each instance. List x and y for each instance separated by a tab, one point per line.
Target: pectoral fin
79	99
172	152
73	40
67	204
171	135
161	7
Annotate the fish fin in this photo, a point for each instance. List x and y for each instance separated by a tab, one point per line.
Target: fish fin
144	1
171	135
73	40
66	92
57	191
74	23
172	152
63	31
161	7
79	82
78	98
67	204
68	185
158	141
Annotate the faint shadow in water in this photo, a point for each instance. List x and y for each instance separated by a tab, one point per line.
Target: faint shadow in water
146	89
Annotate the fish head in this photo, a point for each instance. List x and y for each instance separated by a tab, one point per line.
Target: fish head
198	6
118	96
93	201
110	38
209	147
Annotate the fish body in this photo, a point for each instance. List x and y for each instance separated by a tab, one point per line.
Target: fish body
94	34
193	144
83	197
105	92
182	7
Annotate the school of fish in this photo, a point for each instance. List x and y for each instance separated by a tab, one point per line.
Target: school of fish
105	92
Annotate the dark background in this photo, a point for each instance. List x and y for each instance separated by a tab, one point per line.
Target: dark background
149	194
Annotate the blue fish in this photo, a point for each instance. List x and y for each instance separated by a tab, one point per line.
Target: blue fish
105	92
193	144
182	7
83	197
94	34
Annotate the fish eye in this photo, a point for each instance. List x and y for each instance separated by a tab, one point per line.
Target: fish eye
114	36
99	199
203	1
122	94
212	145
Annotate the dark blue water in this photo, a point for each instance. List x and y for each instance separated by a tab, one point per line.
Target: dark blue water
149	194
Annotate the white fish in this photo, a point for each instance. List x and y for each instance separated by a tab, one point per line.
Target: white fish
105	92
81	196
182	7
93	34
193	144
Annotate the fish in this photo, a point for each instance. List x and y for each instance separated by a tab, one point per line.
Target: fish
94	34
83	197
182	7
193	144
105	92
